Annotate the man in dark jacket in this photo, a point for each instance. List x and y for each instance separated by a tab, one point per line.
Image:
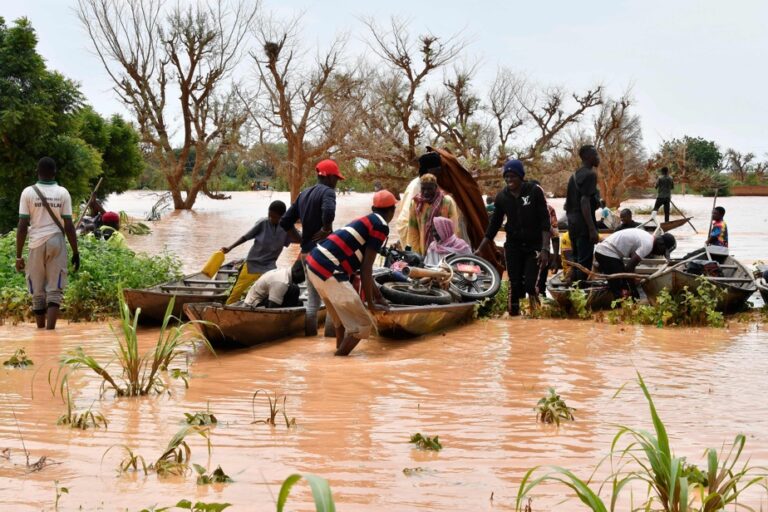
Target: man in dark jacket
664	186
528	233
316	209
580	205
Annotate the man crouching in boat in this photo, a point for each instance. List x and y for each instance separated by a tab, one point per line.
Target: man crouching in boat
333	262
278	288
634	244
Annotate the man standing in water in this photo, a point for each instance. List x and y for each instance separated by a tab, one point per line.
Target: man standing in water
45	213
316	209
333	262
664	186
580	205
528	233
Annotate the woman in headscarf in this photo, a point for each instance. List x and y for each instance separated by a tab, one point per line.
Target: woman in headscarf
431	202
445	242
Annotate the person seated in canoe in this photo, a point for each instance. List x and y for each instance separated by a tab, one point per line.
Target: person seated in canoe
626	220
334	260
718	233
278	288
444	242
109	231
528	229
431	202
634	244
268	242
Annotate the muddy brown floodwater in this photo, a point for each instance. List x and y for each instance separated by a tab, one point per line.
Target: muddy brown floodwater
474	386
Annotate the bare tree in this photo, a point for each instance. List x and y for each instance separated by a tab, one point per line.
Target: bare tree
155	55
394	115
619	140
311	106
739	164
505	108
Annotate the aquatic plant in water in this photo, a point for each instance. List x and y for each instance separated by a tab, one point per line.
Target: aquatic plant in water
553	409
140	373
321	492
671	482
60	491
201	418
426	442
274	410
175	459
19	359
82	420
198	506
218	476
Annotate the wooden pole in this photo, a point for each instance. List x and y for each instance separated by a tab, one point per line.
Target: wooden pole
681	213
93	195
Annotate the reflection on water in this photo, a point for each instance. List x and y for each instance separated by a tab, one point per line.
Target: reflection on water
474	386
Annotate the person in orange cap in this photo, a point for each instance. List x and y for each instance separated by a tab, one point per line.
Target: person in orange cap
315	208
334	261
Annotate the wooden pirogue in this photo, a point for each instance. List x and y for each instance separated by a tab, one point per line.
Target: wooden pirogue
191	288
736	282
411	321
238	325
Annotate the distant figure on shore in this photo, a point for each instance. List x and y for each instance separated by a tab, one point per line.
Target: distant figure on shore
718	234
626	220
664	186
45	213
580	205
489	206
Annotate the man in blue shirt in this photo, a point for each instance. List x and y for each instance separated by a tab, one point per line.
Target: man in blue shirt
315	208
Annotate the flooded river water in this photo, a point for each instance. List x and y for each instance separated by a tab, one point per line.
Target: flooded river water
474	386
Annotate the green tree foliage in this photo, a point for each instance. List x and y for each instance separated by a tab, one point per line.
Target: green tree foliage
42	113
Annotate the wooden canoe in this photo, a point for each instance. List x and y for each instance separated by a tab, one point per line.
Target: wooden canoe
599	296
191	288
737	282
651	226
411	321
237	325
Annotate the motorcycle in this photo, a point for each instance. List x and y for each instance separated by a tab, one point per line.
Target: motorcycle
458	278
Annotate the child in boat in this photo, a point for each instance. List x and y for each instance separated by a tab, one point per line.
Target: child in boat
718	234
278	288
333	262
268	242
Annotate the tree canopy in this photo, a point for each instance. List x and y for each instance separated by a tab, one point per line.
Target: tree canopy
43	113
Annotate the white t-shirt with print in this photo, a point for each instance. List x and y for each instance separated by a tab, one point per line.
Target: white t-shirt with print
271	285
41	225
625	242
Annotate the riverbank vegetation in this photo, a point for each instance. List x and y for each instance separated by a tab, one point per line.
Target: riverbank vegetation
92	292
671	482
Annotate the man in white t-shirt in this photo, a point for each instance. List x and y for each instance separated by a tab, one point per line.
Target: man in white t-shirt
277	288
47	268
634	244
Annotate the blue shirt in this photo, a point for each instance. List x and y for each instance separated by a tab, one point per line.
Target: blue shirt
315	207
268	243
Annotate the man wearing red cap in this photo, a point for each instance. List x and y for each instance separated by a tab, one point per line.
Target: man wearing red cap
110	230
345	252
315	208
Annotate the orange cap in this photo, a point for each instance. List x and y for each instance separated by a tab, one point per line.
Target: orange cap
384	199
328	167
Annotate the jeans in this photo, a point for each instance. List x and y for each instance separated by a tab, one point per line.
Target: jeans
665	202
523	272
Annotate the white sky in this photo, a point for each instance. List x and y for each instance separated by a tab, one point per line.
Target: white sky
696	67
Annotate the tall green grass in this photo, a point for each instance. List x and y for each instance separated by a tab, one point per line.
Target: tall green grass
140	374
648	458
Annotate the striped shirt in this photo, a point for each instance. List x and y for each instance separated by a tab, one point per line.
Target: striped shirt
341	254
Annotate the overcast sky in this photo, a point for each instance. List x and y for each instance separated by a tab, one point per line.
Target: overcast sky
696	67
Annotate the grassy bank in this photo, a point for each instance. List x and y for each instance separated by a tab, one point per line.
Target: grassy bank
92	293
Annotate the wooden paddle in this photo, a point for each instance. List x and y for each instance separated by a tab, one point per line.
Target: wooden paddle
683	215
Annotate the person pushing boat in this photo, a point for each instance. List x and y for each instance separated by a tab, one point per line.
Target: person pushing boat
334	260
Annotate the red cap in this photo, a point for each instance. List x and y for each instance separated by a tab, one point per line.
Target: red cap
110	218
328	168
384	199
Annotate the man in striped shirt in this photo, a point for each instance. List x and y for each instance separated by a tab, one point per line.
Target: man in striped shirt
335	260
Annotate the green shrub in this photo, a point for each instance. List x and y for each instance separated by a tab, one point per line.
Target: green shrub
496	306
92	293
